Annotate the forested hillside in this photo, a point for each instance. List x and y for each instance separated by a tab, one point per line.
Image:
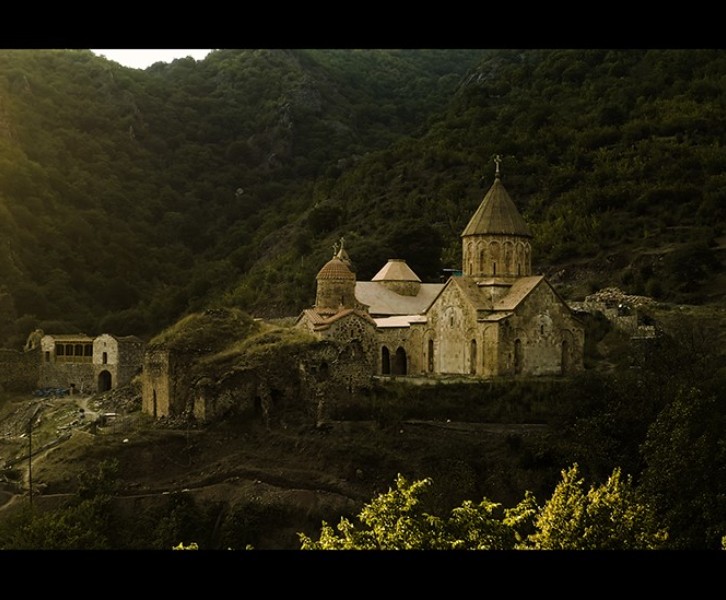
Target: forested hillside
128	198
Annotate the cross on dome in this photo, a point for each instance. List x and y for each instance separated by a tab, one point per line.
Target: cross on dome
497	162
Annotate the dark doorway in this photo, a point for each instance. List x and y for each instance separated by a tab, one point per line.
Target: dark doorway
472	358
401	364
104	381
385	361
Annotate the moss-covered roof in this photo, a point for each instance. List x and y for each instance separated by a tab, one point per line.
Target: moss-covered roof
207	332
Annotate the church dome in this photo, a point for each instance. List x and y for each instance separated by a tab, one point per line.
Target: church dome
497	215
336	268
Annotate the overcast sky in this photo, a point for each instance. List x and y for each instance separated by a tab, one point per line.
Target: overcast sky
140	59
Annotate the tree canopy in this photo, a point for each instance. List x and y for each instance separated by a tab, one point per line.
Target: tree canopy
610	516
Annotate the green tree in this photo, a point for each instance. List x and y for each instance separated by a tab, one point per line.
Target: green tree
607	517
396	520
685	470
87	523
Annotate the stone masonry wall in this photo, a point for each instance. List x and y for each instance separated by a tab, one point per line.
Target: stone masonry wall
19	371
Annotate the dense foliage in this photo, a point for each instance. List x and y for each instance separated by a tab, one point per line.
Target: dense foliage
130	198
606	517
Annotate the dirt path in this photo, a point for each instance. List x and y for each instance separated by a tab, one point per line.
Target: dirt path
46	411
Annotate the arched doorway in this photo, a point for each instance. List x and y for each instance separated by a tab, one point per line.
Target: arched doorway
104	381
472	358
385	361
431	356
400	366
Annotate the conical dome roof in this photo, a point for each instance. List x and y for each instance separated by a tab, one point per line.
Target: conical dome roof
336	268
396	269
497	214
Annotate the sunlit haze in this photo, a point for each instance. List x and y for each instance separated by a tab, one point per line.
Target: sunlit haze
141	59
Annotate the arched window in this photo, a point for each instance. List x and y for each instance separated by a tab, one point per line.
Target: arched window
431	356
401	364
472	357
385	361
518	357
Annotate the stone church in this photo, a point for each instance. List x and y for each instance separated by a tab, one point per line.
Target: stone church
495	319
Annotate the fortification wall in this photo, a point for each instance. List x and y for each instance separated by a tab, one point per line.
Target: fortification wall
19	371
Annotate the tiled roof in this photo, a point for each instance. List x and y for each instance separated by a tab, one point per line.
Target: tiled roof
481	293
399	321
518	292
384	302
336	268
323	321
69	337
497	214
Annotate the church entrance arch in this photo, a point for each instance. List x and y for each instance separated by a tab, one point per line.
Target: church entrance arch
104	381
400	365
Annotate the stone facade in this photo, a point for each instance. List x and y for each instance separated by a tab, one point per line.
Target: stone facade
494	319
162	374
88	364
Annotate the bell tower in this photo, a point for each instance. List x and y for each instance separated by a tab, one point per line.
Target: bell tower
496	242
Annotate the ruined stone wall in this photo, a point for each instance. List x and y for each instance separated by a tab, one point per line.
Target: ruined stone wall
163	393
131	360
82	376
353	328
19	371
311	384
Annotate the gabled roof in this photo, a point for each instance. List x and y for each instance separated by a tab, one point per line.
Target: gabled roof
497	214
518	292
382	301
395	269
69	337
323	321
479	294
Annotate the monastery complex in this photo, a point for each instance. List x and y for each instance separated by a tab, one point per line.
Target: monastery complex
495	319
